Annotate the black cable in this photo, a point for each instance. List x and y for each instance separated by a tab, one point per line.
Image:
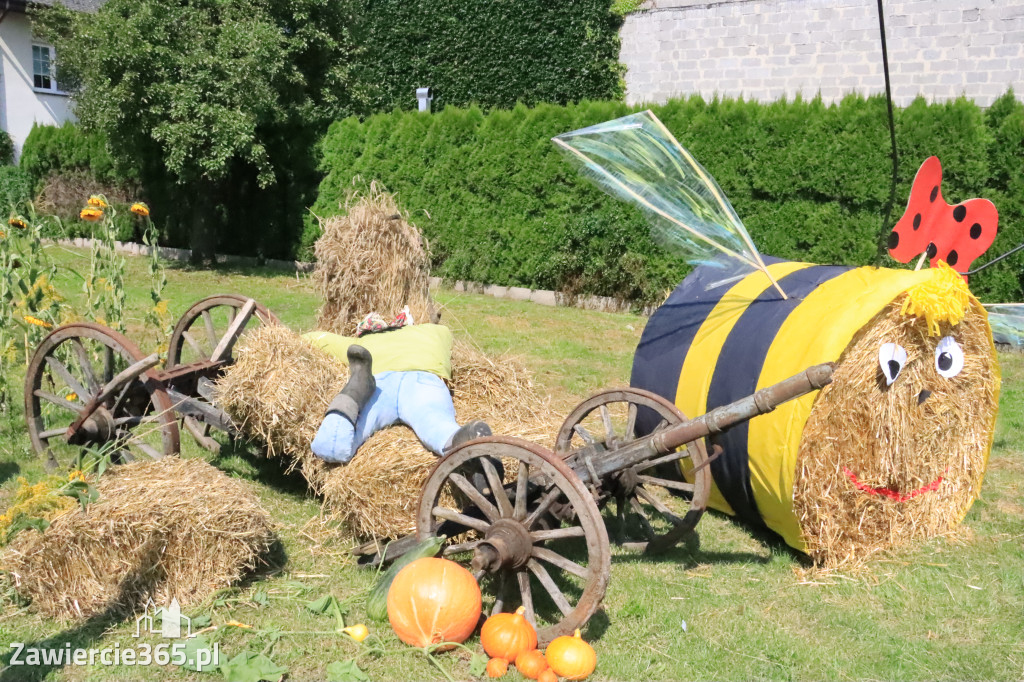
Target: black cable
892	125
994	260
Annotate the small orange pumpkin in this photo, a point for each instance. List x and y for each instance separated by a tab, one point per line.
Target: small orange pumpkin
497	667
571	657
547	675
433	600
531	663
506	635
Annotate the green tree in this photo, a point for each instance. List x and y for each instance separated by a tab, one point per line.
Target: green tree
218	103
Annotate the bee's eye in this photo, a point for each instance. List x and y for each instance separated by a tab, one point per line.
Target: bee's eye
949	358
891	358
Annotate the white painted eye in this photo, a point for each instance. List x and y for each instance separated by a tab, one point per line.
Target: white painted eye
949	358
891	358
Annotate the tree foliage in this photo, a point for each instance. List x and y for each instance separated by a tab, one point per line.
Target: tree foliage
218	103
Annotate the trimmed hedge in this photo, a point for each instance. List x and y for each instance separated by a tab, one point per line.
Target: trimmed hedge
6	148
811	182
15	191
492	54
67	148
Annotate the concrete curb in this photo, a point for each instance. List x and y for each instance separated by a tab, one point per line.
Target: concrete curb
540	296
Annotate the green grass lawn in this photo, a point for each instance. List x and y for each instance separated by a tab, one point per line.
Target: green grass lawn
952	608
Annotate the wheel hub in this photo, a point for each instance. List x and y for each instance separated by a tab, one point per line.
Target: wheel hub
507	545
98	428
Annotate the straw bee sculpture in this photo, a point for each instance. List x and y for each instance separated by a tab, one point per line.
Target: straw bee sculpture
895	448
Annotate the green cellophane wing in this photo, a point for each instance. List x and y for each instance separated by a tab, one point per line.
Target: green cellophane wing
635	158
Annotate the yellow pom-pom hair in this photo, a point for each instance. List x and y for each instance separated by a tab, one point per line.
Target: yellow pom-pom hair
943	298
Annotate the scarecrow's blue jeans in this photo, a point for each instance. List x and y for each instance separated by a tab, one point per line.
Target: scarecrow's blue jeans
420	400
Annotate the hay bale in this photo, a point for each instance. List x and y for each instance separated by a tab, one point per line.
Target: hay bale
932	455
160	530
861	465
371	259
278	390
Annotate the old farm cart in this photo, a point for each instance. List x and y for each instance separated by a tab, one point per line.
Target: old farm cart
89	386
531	529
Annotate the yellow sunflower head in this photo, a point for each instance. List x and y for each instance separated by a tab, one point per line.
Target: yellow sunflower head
91	214
97	201
140	209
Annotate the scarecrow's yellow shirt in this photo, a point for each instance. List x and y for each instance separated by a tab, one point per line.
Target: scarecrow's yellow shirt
418	347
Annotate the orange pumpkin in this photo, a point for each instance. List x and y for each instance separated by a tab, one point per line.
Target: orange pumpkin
547	675
571	657
531	663
506	635
496	667
433	600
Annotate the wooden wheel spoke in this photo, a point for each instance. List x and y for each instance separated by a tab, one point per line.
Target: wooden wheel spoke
642	515
133	443
657	504
470	491
558	533
86	364
211	334
108	364
522	482
227	341
609	429
526	596
681	486
542	507
64	373
190	340
468	521
231	314
552	589
630	433
497	488
136	420
53	433
584	434
460	548
557	559
662	424
499	594
59	401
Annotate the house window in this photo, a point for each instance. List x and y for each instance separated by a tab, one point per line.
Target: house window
42	68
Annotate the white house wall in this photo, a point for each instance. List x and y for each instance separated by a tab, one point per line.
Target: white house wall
767	49
20	104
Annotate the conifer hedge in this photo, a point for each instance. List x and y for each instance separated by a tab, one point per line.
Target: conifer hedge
811	182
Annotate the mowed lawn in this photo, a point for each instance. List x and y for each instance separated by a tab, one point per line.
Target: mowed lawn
738	605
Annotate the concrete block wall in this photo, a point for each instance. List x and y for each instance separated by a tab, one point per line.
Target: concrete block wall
768	49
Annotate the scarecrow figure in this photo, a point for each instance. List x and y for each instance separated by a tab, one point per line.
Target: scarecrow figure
413	364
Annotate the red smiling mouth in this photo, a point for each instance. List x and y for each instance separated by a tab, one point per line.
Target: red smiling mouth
889	492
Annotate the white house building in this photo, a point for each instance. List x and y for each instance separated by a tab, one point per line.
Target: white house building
29	91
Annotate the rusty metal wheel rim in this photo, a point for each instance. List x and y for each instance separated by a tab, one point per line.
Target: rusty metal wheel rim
523	509
180	337
634	487
161	416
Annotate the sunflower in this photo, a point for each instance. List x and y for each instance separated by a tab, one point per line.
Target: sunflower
18	222
96	201
140	209
91	214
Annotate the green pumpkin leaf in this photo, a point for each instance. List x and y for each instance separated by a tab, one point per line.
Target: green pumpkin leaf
250	667
193	657
478	665
346	671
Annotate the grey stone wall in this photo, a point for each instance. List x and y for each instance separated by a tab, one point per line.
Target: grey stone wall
767	49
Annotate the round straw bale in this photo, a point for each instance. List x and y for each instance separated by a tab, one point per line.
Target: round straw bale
372	259
160	530
878	467
893	450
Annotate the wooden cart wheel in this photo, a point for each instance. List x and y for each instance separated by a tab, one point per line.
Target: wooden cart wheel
607	422
557	571
87	376
206	328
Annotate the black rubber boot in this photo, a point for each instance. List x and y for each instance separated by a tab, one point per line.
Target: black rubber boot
466	433
359	388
